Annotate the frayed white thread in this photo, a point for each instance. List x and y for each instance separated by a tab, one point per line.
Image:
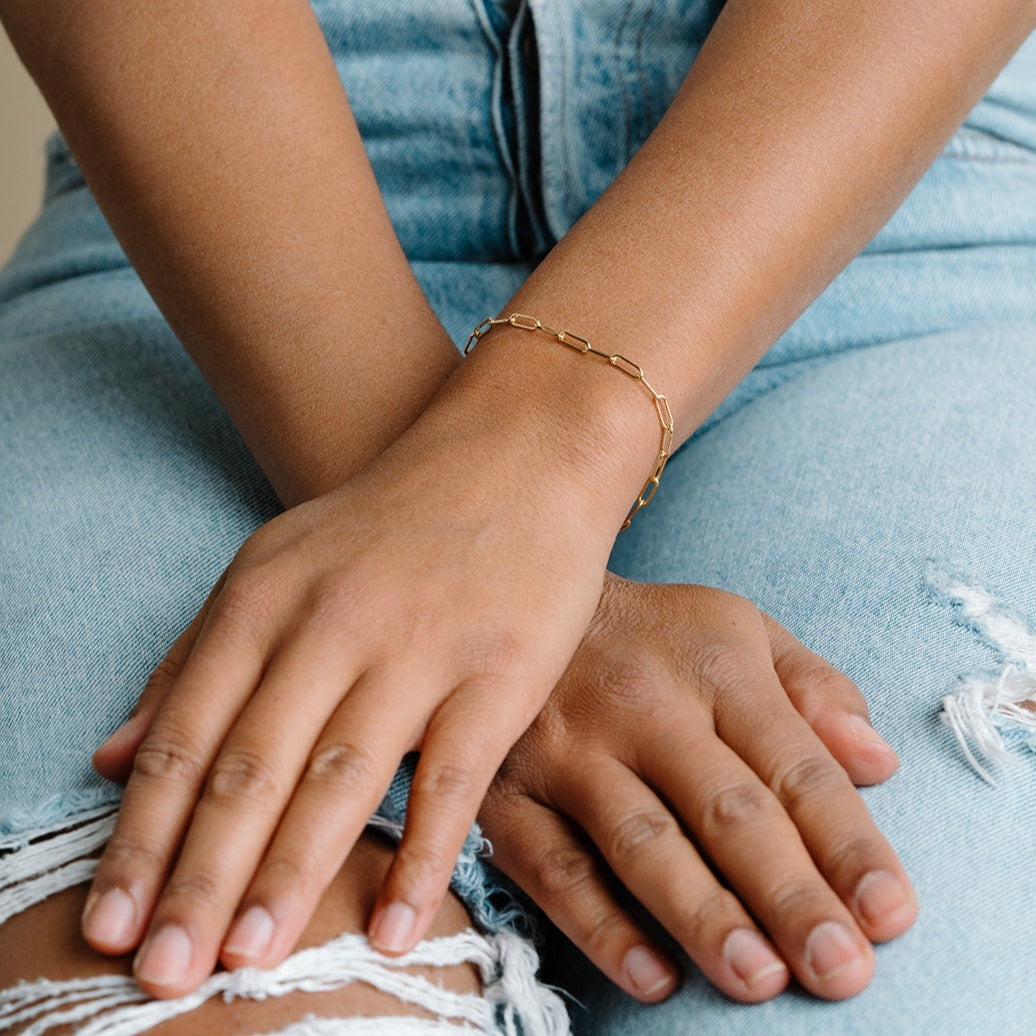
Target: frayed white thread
984	705
526	1007
313	1026
40	862
113	1005
979	707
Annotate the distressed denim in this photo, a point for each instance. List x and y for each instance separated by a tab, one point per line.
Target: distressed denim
865	483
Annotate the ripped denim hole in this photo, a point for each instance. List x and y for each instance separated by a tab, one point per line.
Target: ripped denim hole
40	861
988	712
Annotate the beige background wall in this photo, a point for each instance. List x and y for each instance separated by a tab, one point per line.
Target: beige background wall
25	123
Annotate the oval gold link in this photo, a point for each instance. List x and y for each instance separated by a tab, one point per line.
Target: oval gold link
628	367
575	342
665	415
481	328
524	321
643	500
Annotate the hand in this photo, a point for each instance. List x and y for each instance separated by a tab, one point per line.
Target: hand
677	756
430	602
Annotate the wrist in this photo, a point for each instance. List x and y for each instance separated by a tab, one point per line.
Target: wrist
349	424
586	429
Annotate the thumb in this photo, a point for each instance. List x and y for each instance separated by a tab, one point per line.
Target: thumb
833	706
114	758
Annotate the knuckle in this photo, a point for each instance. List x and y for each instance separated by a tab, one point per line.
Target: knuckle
125	854
499	658
602	930
855	856
422	867
333	600
645	828
258	547
825	684
446	784
562	871
292	872
742	803
808	778
342	765
165	673
720	665
196	890
245	606
168	759
240	776
795	902
628	682
711	917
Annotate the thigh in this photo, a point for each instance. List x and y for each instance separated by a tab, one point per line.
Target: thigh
834	502
126	491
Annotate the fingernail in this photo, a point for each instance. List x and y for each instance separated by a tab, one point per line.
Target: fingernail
879	895
865	732
750	958
109	918
830	950
393	930
252	934
165	957
119	733
647	971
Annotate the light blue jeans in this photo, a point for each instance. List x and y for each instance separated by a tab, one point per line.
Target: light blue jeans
865	484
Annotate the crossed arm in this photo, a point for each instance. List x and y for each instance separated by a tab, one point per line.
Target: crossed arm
407	610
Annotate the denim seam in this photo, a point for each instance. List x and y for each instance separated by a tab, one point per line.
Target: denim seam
647	115
556	162
620	78
499	133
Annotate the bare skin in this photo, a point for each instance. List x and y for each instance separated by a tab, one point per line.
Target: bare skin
452	584
45	941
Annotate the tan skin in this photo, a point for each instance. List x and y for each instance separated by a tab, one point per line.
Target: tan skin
863	97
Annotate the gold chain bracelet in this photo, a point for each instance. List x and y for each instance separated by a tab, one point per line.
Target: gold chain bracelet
620	363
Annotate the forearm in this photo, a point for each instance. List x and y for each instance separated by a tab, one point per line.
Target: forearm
218	142
798	132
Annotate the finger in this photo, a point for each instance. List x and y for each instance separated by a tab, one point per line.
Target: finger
345	777
739	823
542	853
452	775
248	787
832	705
114	758
168	772
850	852
647	849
